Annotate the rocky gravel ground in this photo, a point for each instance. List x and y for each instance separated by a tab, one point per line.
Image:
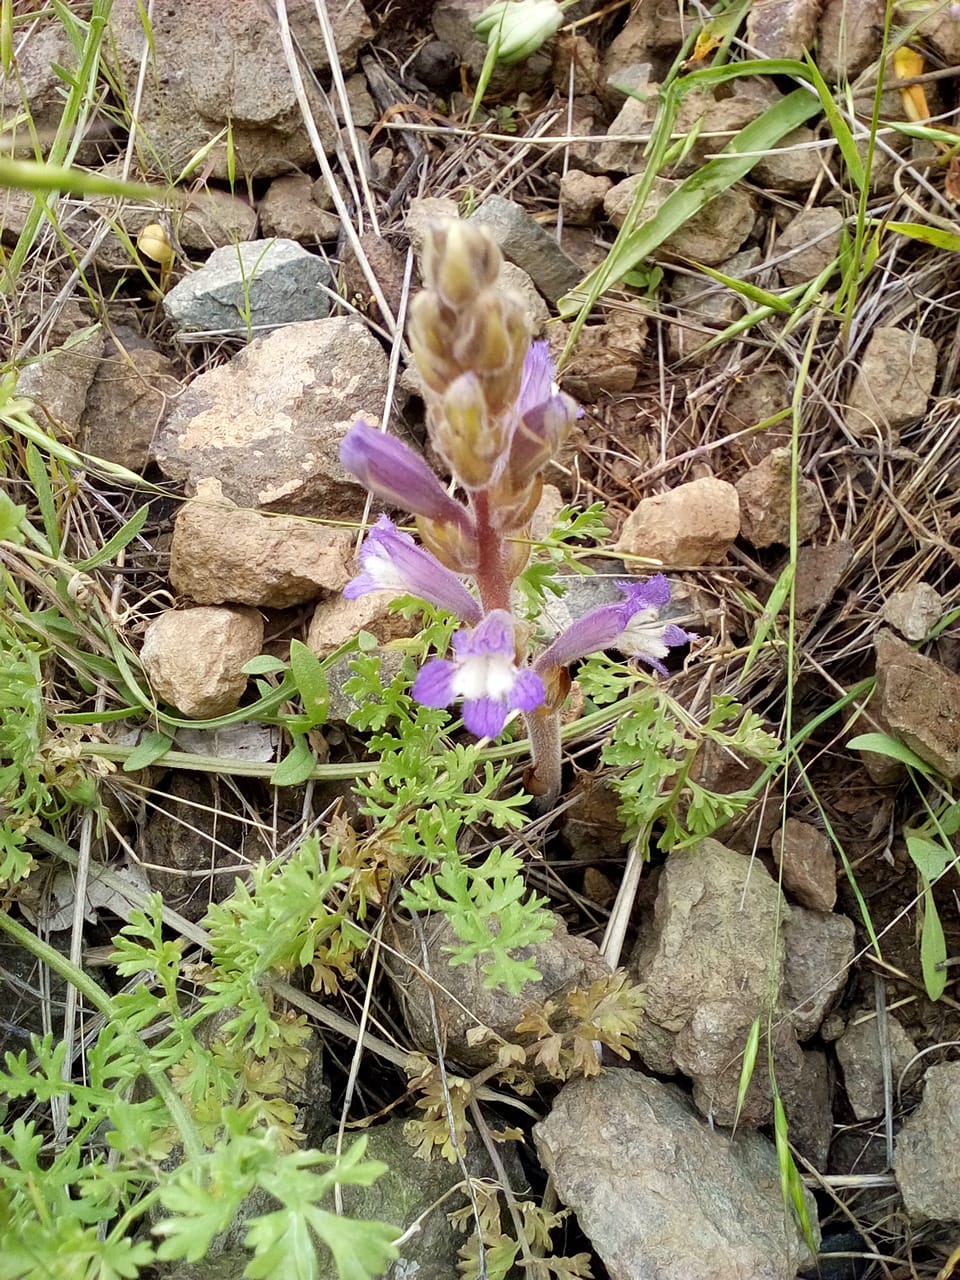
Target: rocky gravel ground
772	424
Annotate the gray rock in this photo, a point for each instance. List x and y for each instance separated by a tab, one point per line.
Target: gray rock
462	1000
713	234
810	242
794	164
749	401
819	950
715	937
708	305
782	28
582	195
893	384
268	424
58	382
221	553
194	657
926	1158
850	37
861	1061
629	132
652	34
410	1188
695	523
809	867
215	63
809	1108
250	285
132	388
914	610
34	80
526	244
938	27
339	674
920	702
660	1194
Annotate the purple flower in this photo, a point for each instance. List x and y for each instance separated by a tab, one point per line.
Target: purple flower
392	561
536	385
394	472
631	626
484	673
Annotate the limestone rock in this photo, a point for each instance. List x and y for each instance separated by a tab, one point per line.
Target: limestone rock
462	1000
920	701
422	213
716	116
705	307
809	867
132	389
652	34
764	493
268	424
36	81
250	285
749	401
714	939
59	381
582	195
893	385
223	553
850	37
861	1060
713	234
606	358
216	62
782	28
659	1192
201	221
794	164
914	610
625	149
809	1108
517	280
193	658
820	947
528	245
926	1158
289	210
808	244
338	620
693	524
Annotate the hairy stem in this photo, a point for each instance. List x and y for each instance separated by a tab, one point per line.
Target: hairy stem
491	575
544	781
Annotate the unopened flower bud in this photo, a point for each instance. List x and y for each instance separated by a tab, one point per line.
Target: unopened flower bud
453	545
512	507
470	441
460	260
517	28
390	469
539	435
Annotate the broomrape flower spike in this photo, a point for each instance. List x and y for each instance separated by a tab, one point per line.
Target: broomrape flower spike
496	417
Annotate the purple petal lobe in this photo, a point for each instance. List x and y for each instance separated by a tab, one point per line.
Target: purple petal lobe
394	472
485	717
528	691
391	560
494	635
673	636
652	594
538	374
434	683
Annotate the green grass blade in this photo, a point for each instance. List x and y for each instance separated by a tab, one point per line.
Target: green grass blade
838	126
122	538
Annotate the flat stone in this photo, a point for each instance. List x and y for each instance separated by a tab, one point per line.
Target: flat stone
714	938
132	388
849	38
809	867
526	244
820	947
765	496
247	286
193	658
893	384
920	701
268	424
58	382
629	133
782	28
338	620
914	610
652	34
794	164
713	234
288	210
861	1060
215	63
747	402
811	242
658	1191
820	571
926	1157
809	1108
221	553
695	523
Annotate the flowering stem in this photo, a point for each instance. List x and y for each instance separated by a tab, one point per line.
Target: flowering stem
543	731
491	579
